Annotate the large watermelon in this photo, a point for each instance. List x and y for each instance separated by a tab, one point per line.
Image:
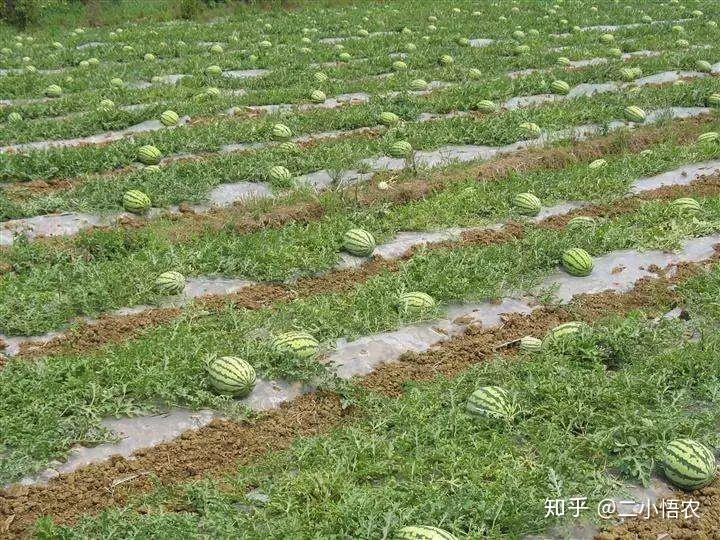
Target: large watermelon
563	331
415	303
169	118
708	136
418	84
486	106
527	204
301	345
170	283
492	401
53	91
359	242
149	155
280	132
423	532
388	119
560	87
686	206
530	344
279	175
688	464
317	96
581	222
231	375
577	262
136	201
634	114
400	149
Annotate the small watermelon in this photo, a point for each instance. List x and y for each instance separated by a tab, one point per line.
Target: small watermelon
288	147
14	118
117	82
388	119
714	100
581	222
614	52
634	114
149	57
423	532
344	57
231	375
474	74
300	345
446	60
492	401
399	65
212	92
213	70
563	331
577	262
279	175
597	164
563	61
527	204
317	96
686	206
689	464
216	49
607	38
359	242
169	118
704	66
415	303
418	84
530	129
400	149
170	283
530	344
265	44
149	155
320	77
106	105
487	106
53	91
560	87
136	202
280	132
710	136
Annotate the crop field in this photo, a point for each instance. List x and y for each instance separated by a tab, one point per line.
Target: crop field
408	269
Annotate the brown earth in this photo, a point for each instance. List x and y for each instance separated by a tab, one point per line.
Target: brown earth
217	448
112	329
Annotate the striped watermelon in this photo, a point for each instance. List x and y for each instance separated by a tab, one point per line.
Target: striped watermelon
418	84
300	345
688	464
415	303
627	74
320	77
216	48
423	532
231	375
634	114
344	57
714	100
288	147
388	119
149	155
521	49
474	74
170	283
399	65
359	242
117	82
615	52
530	129
563	61
400	149
527	204
487	106
212	92
152	169
530	344
213	70
462	41
106	105
280	132
563	331
136	201
492	401
317	96
560	87
279	175
710	136
577	262
149	57
169	118
704	66
446	60
598	163
14	117
53	91
265	44
580	222
686	206
607	38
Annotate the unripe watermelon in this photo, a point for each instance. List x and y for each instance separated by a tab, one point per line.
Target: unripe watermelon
84	63
530	129
231	375
627	74
279	175
213	70
14	117
136	202
597	164
487	106
560	87
280	132
518	34
388	119
93	61
170	283
415	303
474	74
530	344
527	204
686	206
704	66
169	118
714	100
149	155
317	96
423	532
581	222
53	91
418	84
300	345
563	331
400	149
491	401
634	114
359	242
446	60
577	262
689	464
710	136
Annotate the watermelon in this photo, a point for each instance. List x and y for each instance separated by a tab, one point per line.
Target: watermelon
446	60
577	262
299	345
634	114
491	401
462	41
359	242
563	331
106	105
688	464
117	82
627	74
704	66
170	283
213	70
231	375
521	49
527	204
135	201
714	100
474	74
418	84
530	129
518	34
152	169
607	38
280	132
686	206
344	57
320	77
615	52
423	532
696	13
216	49
149	155
53	91
84	63
580	222
410	47
399	65
149	57
563	61
317	96
560	87
288	147
682	43
14	117
530	344
487	106
400	149
597	164
265	44
710	136
363	33
388	119
415	303
169	118
279	175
